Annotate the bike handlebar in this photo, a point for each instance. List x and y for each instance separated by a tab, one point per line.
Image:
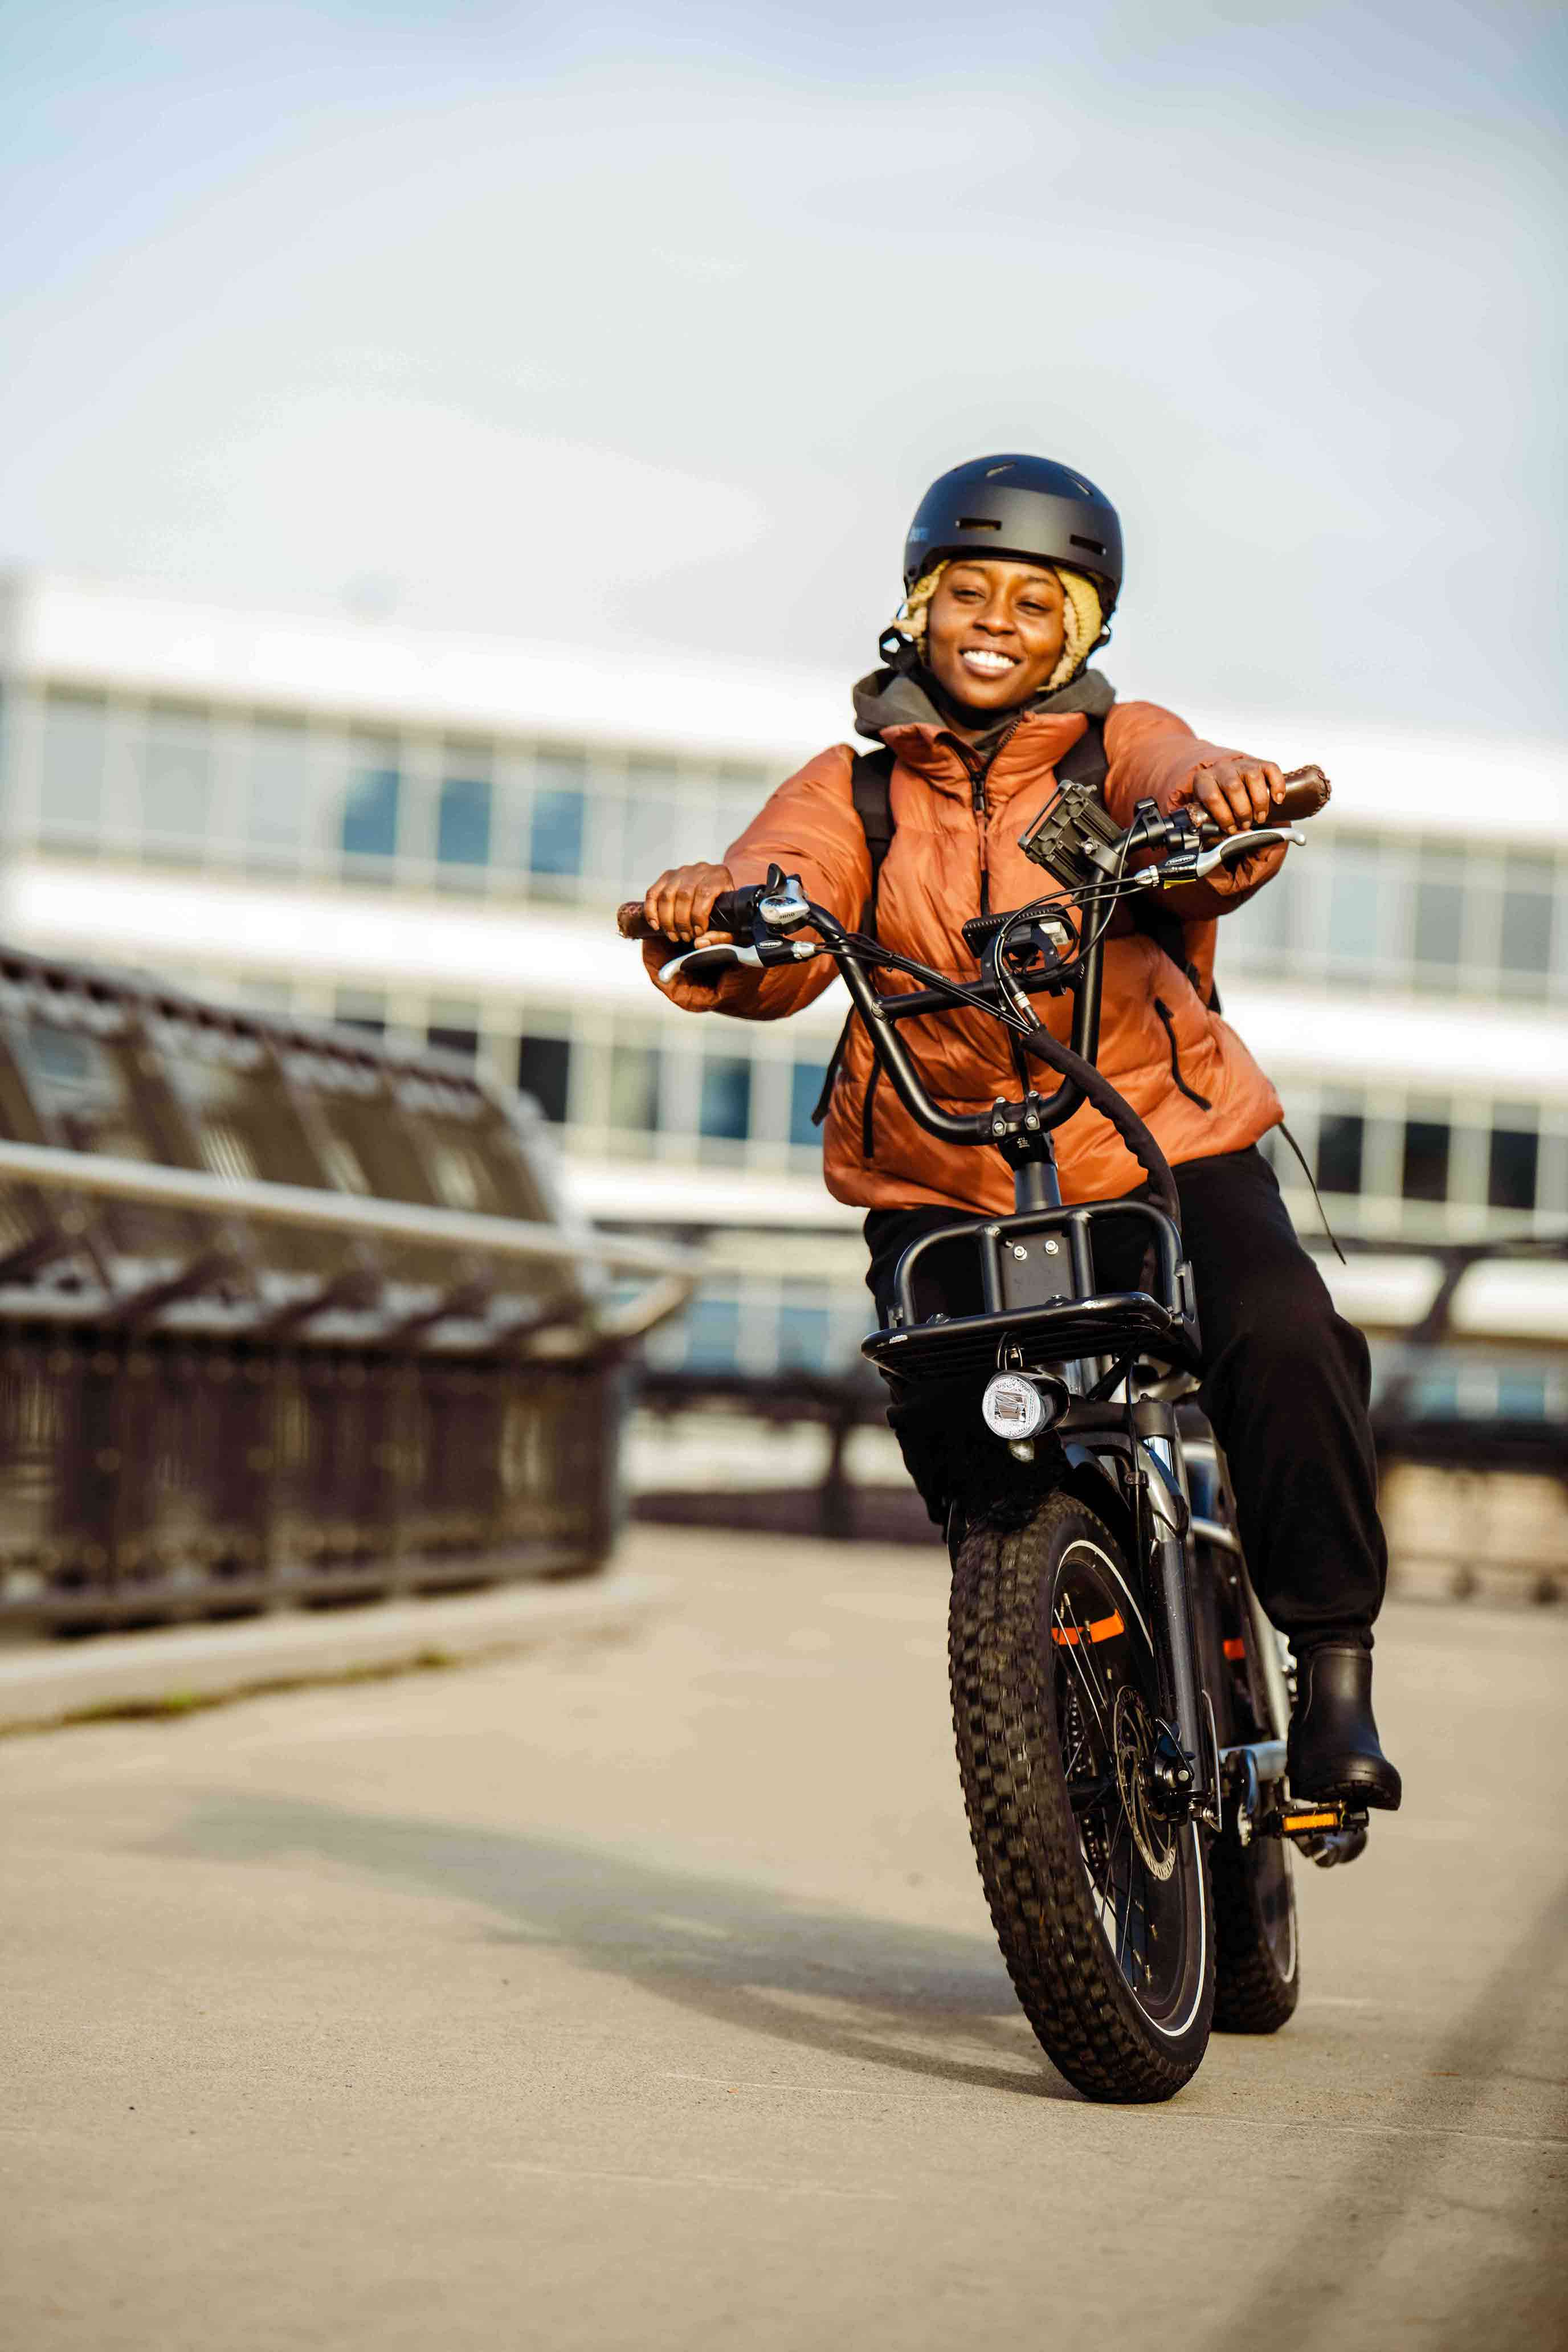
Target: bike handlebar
1307	790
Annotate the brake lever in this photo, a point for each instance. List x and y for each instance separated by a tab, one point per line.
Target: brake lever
1242	845
725	955
1188	863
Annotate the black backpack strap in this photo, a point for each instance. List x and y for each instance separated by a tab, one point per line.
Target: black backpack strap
871	788
1086	763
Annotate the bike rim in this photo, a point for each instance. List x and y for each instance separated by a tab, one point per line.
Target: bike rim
1145	1878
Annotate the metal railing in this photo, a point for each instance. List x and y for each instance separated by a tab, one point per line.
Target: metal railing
286	1315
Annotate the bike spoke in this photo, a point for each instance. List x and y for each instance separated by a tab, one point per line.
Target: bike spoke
1070	1651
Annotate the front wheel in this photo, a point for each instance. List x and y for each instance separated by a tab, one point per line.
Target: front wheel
1101	1905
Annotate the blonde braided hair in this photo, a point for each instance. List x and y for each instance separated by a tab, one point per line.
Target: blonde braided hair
1083	617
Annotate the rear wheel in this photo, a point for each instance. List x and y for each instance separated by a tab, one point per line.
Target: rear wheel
1258	1953
1100	1904
1258	1959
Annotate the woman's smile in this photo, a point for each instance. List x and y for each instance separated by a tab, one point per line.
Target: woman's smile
988	661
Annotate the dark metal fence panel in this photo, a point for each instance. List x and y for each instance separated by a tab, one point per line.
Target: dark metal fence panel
212	1402
164	1478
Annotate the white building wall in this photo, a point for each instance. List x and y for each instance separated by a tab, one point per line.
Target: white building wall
432	833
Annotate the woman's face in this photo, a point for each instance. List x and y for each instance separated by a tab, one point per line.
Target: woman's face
995	632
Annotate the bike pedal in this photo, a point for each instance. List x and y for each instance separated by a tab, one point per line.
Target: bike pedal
1315	1826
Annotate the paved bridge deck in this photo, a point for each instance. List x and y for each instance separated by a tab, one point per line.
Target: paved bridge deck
640	1994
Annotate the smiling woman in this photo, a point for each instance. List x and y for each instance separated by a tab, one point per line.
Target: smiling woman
984	707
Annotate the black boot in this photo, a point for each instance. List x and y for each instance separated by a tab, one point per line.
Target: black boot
1333	1748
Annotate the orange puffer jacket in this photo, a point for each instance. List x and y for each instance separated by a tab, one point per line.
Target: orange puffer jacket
946	855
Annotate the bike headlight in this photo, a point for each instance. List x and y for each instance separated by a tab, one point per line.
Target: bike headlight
1016	1407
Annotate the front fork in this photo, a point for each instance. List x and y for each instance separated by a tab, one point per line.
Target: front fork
1162	1509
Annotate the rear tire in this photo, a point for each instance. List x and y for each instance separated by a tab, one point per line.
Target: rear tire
1257	1946
1259	1950
1104	1915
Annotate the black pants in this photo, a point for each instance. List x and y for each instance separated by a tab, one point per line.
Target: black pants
1285	1385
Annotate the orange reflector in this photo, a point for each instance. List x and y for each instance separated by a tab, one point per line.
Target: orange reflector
1099	1629
1235	1648
1294	1821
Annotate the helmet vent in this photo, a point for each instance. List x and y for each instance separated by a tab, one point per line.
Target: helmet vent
1095	546
978	522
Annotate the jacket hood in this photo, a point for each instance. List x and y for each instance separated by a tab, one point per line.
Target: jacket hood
890	698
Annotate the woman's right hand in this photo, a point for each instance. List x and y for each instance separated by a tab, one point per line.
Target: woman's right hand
680	903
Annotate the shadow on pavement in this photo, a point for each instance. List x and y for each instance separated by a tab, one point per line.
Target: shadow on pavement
739	1952
1315	2293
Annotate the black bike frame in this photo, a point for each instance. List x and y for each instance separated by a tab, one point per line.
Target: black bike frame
1038	1287
882	1014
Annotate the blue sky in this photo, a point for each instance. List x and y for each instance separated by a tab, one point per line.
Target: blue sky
645	327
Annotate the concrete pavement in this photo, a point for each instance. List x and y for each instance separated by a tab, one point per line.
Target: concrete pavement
641	1994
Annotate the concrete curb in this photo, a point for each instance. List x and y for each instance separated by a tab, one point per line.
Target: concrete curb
48	1684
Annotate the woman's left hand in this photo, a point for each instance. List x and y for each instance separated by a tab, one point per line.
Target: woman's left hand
1239	794
1236	792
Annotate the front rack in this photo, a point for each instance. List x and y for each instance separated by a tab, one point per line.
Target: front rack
1038	1303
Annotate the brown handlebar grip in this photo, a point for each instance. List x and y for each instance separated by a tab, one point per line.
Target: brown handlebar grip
1307	790
632	923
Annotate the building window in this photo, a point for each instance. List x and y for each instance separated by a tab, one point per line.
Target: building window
653	821
1353	935
75	737
555	839
463	822
1511	1166
282	797
1525	949
1440	908
1522	1396
370	814
803	1338
634	1089
1341	1138
726	1113
177	778
455	1038
1425	1172
544	1071
360	1008
712	1334
1437	1395
804	1092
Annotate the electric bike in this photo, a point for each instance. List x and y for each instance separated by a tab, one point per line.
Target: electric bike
1121	1701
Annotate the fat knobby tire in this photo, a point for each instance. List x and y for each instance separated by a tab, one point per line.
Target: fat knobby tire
1021	1820
1251	1995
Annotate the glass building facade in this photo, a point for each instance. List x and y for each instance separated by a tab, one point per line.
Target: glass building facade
100	777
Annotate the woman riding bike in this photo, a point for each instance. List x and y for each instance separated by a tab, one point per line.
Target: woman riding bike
1012	568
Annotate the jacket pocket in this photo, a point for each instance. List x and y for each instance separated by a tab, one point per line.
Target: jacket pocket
1168	1024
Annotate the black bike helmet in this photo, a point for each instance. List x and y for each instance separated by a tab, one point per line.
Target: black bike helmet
1026	508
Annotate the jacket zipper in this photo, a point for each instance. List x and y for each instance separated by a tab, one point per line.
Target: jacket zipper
978	769
1192	1094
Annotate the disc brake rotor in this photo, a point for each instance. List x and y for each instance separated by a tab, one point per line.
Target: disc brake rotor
1132	1734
